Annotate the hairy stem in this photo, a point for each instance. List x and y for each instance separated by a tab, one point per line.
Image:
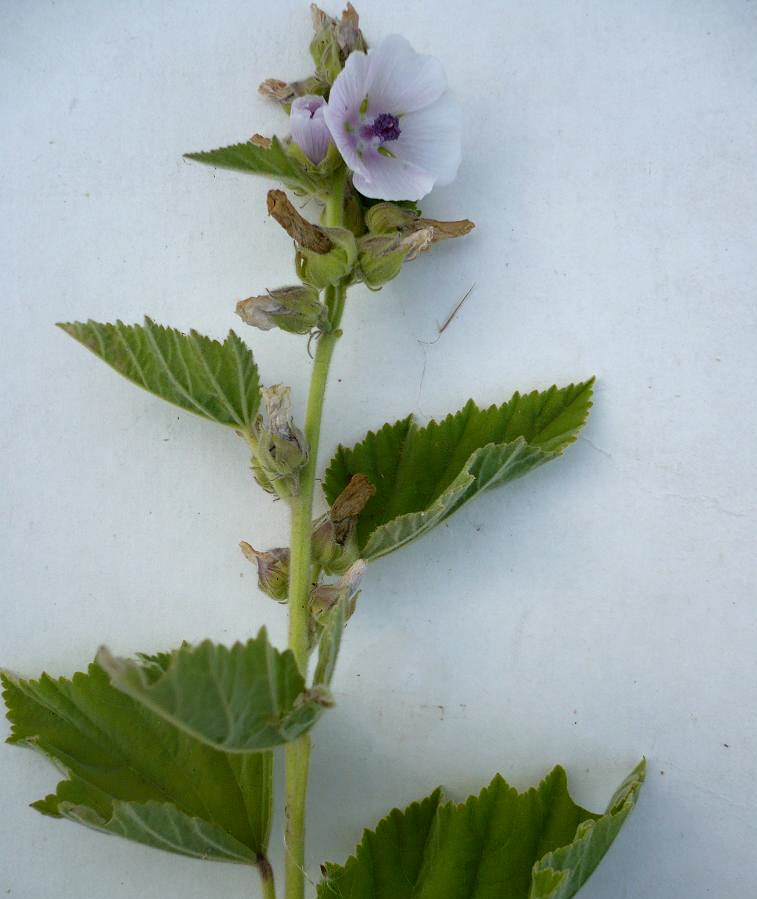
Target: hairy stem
300	575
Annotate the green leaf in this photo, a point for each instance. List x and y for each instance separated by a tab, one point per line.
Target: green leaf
272	161
246	698
500	844
422	475
218	381
130	773
330	642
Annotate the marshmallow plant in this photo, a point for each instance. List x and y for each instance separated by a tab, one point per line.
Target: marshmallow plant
176	749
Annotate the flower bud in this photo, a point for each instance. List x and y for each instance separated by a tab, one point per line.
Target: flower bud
334	41
309	129
283	92
273	570
381	256
388	218
323	269
296	310
280	449
335	546
325	596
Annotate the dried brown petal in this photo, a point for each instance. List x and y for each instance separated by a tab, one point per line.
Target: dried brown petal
348	34
446	230
351	501
303	232
260	140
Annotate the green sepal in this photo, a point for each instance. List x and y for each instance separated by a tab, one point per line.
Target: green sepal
424	474
322	270
500	844
218	381
240	699
322	171
132	774
381	257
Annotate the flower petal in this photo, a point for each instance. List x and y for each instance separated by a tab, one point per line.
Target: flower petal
309	130
347	93
401	80
431	138
393	179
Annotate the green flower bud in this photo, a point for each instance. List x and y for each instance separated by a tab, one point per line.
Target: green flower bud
388	218
323	269
325	168
280	448
381	256
273	570
296	310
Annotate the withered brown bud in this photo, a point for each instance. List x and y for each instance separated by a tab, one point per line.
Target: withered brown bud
259	140
273	570
447	230
325	596
307	235
283	92
334	541
334	41
389	218
296	310
348	34
349	504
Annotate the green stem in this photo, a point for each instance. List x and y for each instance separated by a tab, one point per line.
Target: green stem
266	878
298	752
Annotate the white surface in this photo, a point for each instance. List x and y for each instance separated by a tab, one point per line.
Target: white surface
601	609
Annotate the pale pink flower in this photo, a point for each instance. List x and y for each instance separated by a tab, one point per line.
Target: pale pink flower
394	121
309	130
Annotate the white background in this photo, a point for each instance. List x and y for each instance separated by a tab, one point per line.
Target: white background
599	610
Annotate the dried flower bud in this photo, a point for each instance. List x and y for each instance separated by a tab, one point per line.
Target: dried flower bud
334	41
296	310
381	256
273	570
334	544
388	218
283	92
280	446
260	140
325	596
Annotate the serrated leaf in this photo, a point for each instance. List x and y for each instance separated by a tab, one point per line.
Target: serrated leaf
132	774
423	474
253	159
500	844
218	381
244	698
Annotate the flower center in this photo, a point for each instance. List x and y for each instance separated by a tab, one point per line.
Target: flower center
385	127
313	105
